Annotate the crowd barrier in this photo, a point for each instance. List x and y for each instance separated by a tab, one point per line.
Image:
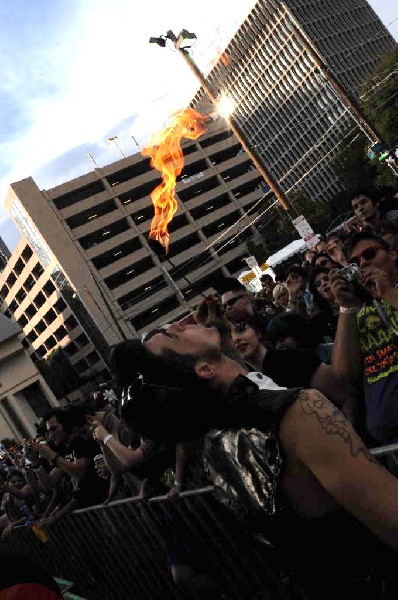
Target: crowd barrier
118	551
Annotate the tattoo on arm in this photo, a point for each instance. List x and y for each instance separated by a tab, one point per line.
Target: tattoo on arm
333	422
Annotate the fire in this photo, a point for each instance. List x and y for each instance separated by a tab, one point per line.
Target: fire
167	157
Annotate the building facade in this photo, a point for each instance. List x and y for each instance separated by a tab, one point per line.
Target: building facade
92	232
35	294
286	107
25	397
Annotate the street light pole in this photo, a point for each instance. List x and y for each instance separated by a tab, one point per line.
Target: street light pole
114	140
235	127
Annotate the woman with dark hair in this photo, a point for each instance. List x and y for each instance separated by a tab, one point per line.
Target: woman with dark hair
324	321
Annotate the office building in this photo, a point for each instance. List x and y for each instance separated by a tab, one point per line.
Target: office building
91	233
286	108
24	394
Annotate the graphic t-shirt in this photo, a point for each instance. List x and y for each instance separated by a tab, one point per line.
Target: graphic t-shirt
379	347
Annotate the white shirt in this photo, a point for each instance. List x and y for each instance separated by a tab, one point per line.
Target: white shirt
263	382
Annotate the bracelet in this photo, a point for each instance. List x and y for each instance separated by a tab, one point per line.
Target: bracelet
347	310
106	439
178	484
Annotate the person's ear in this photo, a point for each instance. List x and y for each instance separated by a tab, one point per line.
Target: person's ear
205	370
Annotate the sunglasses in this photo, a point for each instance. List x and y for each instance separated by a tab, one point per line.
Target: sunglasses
367	254
138	386
233	301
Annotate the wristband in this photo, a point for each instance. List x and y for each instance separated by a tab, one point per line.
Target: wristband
178	484
347	310
106	439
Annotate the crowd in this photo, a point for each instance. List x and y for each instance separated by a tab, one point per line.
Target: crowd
273	398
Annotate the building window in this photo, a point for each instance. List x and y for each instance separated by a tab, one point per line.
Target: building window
207	208
86	216
27	253
197	189
37	271
13	306
31	311
71	349
70	323
29	283
39	300
50	316
82	340
221	224
50	342
160	310
41	351
4	292
219	137
32	336
142	293
81	366
19	266
128	273
103	234
92	358
118	252
25	343
40	327
48	288
143	215
140	191
60	333
11	279
77	196
21	295
185	243
22	321
60	305
125	174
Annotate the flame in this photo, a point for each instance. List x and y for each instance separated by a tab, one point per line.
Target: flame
167	157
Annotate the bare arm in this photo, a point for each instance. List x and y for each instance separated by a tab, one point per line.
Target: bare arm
346	355
338	390
48	480
318	435
32	480
25	492
127	457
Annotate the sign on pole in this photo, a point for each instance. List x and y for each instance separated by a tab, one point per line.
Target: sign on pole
305	231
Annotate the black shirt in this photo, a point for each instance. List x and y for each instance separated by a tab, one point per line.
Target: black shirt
290	368
91	489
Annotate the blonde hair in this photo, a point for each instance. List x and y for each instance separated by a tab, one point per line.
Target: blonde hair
278	289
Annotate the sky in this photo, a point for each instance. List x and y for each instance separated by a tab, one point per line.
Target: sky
76	72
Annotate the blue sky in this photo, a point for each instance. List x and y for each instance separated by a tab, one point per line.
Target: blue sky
75	72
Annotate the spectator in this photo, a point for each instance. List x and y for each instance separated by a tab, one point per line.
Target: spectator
290	367
325	318
281	296
11	505
366	344
235	299
389	233
296	285
324	456
365	205
324	260
309	256
335	247
73	458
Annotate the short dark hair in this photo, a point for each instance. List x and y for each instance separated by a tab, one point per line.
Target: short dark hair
369	193
63	417
339	235
229	284
355	238
15	473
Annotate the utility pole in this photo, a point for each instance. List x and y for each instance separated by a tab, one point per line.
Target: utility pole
235	127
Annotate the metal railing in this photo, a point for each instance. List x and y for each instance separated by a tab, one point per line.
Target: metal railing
120	551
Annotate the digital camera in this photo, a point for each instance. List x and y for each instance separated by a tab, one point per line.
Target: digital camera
350	272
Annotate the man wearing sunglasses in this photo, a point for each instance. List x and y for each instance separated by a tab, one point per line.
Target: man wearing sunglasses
366	343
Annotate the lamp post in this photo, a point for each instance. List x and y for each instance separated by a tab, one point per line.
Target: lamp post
114	141
180	45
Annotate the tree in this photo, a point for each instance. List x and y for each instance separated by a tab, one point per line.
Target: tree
379	103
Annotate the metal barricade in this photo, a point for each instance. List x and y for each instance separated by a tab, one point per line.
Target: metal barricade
122	551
